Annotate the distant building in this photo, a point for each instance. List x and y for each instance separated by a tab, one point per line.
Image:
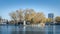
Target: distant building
51	15
3	21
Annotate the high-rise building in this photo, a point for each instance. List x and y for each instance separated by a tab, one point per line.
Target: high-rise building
51	15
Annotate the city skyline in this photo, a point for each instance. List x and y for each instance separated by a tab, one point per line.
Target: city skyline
45	6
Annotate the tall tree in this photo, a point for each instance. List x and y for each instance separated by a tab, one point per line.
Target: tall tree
20	14
39	18
57	19
28	14
13	16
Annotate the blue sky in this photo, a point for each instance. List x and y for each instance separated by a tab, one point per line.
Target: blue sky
46	6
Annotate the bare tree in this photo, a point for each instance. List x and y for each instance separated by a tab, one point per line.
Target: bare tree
13	16
20	14
57	19
28	15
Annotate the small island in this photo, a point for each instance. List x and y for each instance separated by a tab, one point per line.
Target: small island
30	17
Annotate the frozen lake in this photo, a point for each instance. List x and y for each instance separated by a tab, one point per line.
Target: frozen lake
12	29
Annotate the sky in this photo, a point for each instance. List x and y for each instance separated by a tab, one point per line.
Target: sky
45	6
